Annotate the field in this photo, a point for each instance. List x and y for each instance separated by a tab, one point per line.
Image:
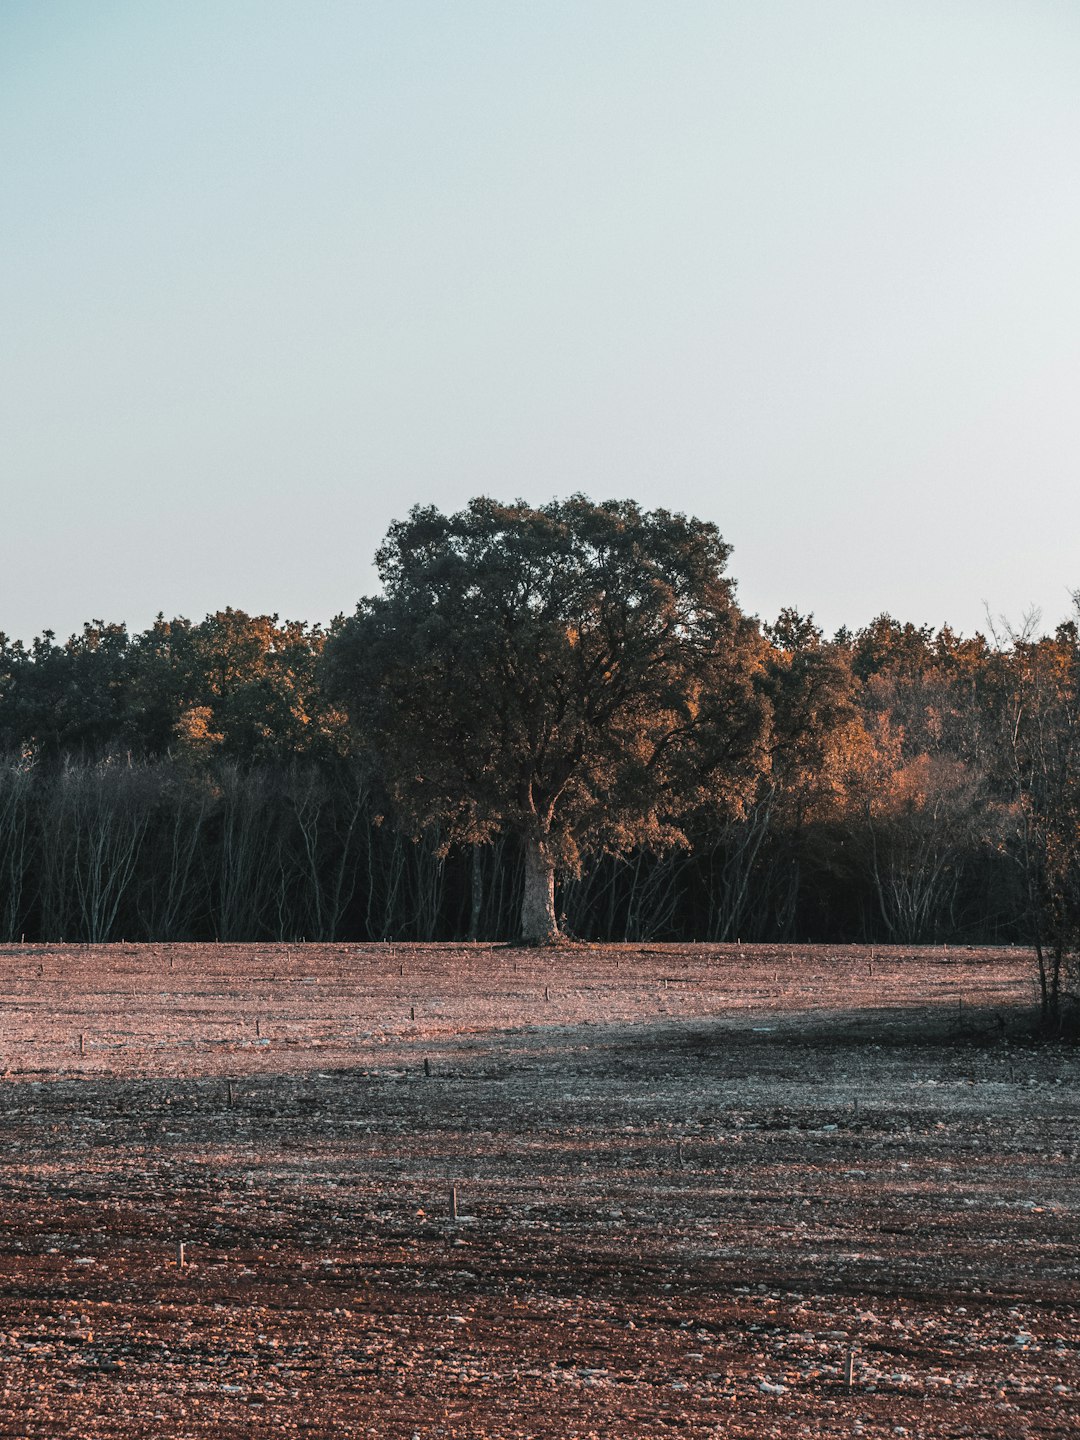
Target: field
701	1191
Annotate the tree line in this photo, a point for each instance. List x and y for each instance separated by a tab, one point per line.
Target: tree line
552	719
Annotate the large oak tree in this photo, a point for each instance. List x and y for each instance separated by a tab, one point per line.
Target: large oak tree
577	675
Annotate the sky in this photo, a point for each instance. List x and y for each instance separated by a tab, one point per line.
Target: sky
271	273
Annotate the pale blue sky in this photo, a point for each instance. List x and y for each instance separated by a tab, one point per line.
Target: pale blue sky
272	272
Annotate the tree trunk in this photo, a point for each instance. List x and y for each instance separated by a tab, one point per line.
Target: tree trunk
538	925
477	897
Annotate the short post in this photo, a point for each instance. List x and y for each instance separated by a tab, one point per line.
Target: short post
547	993
412	1012
82	1044
180	1261
258	1029
231	1097
453	1202
427	1067
849	1369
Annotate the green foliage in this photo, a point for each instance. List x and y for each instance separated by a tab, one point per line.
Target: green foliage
234	685
577	675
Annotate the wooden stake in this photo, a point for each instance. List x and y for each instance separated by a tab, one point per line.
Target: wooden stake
258	1029
180	1261
849	1369
412	1012
82	1044
453	1202
230	1094
427	1067
547	993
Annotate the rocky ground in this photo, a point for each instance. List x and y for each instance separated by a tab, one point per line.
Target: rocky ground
696	1187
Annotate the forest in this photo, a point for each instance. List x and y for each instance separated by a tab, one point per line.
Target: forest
224	778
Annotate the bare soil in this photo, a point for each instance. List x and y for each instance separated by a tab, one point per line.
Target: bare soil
694	1186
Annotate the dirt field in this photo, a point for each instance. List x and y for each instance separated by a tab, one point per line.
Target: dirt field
693	1184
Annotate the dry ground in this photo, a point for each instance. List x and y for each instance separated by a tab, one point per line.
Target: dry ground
692	1181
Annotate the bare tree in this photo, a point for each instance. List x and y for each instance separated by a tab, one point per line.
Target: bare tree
94	823
16	844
